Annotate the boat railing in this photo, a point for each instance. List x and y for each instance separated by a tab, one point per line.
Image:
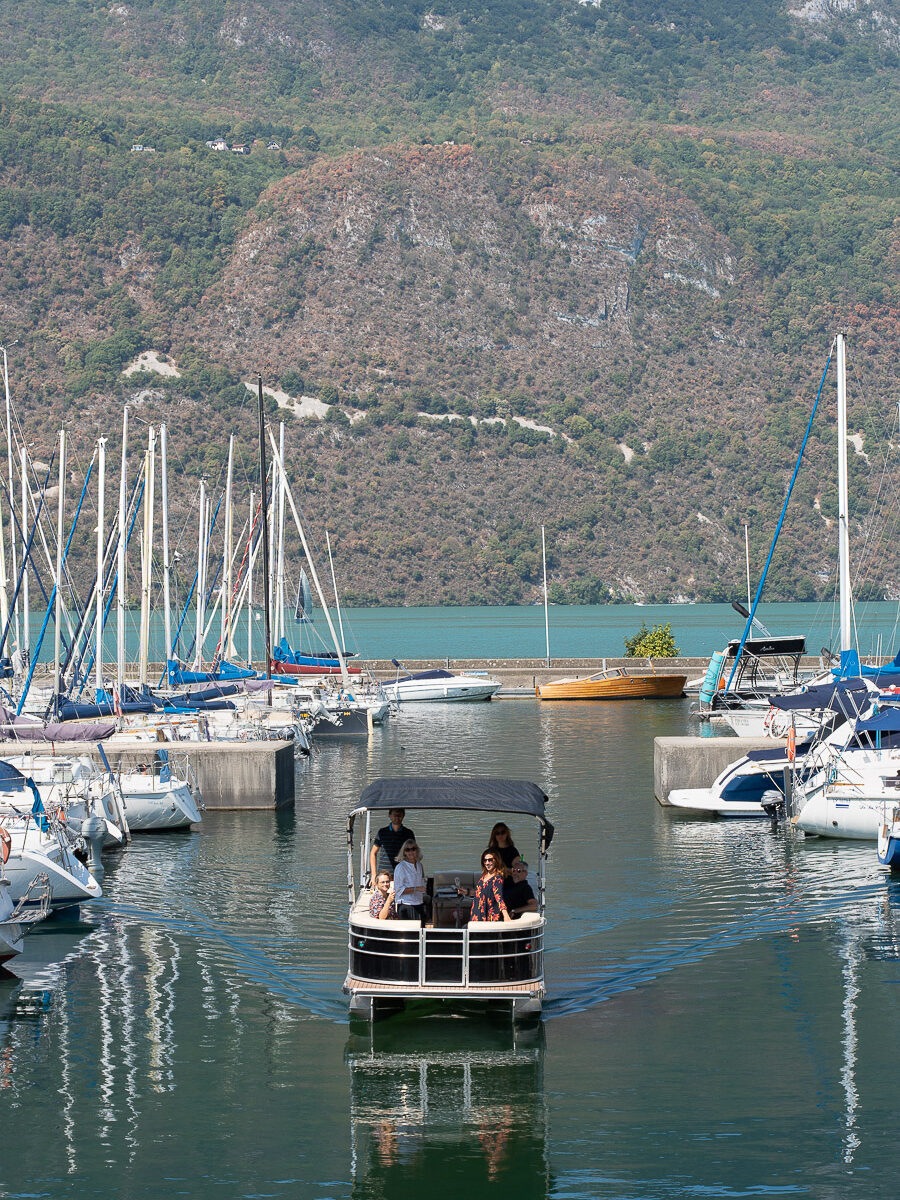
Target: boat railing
421	956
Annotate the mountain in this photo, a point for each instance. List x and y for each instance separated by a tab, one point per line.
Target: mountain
504	265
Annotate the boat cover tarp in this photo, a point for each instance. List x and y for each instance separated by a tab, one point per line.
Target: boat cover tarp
188	702
27	729
282	652
70	710
11	778
479	793
777	756
850	665
845	696
886	721
179	677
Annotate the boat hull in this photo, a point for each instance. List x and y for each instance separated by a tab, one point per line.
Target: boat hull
889	845
625	687
459	688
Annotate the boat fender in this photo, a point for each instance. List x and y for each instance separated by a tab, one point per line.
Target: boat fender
791	744
5	845
60	816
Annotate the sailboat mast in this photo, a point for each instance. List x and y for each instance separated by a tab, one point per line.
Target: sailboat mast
279	573
147	555
843	501
10	494
167	594
26	606
120	570
201	577
101	501
250	587
57	616
546	611
264	499
337	602
226	648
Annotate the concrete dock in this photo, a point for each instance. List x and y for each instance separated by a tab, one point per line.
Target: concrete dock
231	775
694	762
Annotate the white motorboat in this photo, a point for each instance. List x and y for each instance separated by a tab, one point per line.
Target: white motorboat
40	847
11	932
851	787
155	799
450	957
441	685
749	786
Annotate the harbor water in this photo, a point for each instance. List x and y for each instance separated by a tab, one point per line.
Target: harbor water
722	1016
576	631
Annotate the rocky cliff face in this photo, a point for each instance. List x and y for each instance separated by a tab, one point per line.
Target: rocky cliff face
443	270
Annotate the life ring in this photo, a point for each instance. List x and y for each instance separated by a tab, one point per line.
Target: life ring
791	744
5	845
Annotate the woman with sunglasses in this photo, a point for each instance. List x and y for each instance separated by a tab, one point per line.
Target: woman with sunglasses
502	844
409	883
489	903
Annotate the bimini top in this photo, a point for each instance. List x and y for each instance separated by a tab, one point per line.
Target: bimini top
481	794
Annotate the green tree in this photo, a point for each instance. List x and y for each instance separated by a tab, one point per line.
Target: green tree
657	642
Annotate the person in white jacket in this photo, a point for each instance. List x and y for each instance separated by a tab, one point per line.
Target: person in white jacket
409	882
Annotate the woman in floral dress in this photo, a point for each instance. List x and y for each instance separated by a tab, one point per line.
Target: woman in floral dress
489	904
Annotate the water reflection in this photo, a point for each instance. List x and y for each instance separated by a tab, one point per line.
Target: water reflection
442	1099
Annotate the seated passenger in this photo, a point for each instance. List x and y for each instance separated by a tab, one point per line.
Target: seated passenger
489	903
501	841
409	883
517	893
382	906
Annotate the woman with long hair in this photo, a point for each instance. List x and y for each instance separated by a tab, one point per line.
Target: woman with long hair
501	842
489	903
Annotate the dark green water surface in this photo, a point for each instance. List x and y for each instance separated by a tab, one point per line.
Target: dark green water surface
722	1018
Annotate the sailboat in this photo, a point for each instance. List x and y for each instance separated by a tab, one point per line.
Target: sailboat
851	788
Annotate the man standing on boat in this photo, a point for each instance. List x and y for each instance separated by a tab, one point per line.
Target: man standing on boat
387	843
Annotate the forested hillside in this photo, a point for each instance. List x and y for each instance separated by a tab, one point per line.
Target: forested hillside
529	261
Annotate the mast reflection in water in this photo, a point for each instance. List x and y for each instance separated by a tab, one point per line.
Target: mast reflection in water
455	1101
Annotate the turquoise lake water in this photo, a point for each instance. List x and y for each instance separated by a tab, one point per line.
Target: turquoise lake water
518	632
722	1013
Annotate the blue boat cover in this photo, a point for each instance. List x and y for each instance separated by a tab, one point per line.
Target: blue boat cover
844	695
11	778
777	757
179	677
850	665
886	721
282	652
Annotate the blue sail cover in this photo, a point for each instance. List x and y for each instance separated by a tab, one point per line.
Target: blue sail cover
179	677
283	653
132	702
850	665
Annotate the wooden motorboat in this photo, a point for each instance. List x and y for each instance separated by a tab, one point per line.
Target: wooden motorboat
616	683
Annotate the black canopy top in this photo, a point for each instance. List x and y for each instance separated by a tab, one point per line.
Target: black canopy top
481	794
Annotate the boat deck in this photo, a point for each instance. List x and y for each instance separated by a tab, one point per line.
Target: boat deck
447	991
